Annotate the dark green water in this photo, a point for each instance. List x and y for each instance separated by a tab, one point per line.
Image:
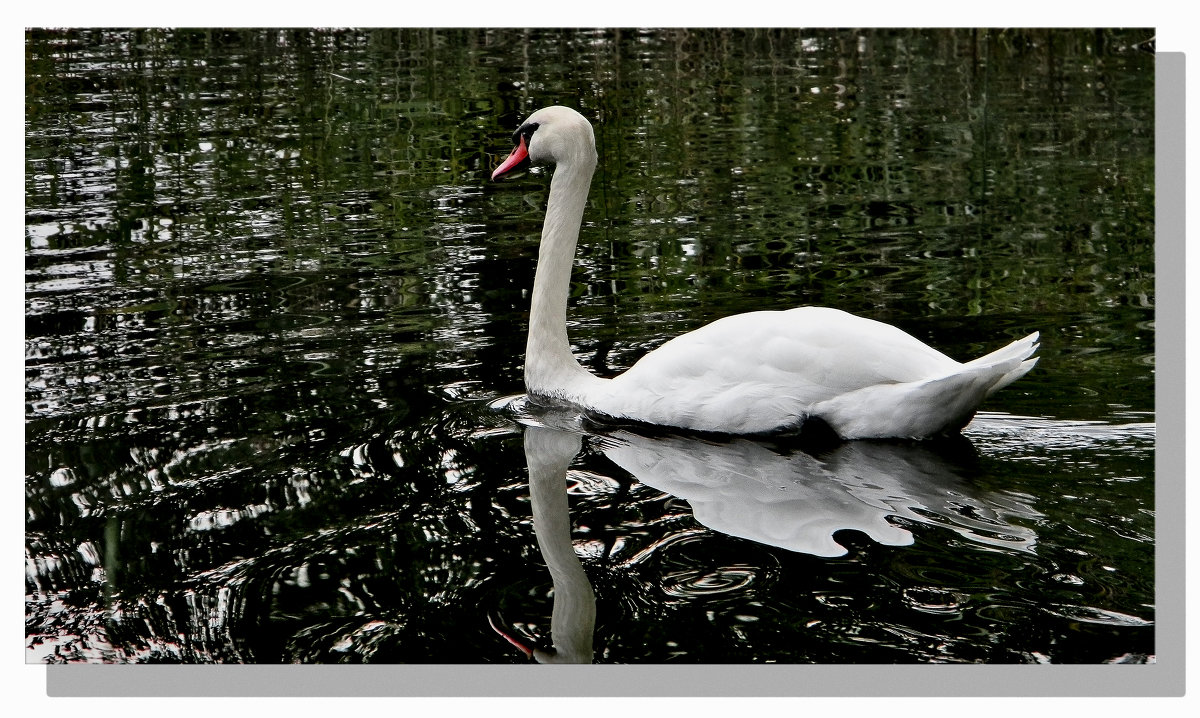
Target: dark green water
271	296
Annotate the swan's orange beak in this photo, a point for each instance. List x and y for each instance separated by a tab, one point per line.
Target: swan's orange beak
519	156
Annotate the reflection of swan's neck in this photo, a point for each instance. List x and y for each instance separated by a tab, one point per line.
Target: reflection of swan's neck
549	366
573	618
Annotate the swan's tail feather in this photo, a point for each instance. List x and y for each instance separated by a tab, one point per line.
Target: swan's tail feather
1020	349
926	408
1021	370
1018	352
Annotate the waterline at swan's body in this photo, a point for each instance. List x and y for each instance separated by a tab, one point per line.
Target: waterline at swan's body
752	373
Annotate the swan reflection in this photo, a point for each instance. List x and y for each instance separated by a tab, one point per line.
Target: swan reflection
549	453
798	501
791	499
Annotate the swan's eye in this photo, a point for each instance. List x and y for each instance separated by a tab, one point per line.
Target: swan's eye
525	131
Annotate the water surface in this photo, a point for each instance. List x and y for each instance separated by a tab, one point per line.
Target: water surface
273	303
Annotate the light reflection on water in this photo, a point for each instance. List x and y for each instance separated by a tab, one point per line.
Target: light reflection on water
265	312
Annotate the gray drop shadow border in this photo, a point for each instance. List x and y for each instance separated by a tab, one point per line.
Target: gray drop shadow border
1165	677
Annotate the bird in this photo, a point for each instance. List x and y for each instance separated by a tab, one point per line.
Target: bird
764	372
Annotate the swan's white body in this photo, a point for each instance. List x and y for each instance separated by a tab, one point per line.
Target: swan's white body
753	373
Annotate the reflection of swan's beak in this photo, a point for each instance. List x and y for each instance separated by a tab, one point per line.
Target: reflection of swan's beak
530	649
527	650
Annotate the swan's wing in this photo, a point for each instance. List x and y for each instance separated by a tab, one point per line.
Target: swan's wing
761	371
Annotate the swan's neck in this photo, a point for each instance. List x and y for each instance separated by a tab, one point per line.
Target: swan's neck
550	368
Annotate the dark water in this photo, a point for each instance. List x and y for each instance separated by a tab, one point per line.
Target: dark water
275	318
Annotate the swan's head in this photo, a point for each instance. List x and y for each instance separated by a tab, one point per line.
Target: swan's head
551	136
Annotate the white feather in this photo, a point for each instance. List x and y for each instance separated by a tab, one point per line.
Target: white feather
752	373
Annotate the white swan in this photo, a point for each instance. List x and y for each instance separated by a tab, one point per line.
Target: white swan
755	373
